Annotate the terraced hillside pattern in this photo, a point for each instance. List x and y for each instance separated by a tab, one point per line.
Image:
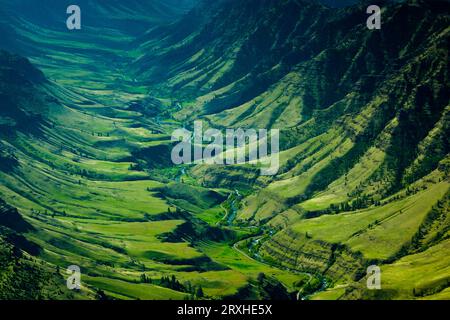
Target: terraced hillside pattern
86	176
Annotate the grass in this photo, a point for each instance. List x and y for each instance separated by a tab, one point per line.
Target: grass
337	192
423	276
133	290
330	294
371	231
89	209
212	216
386	239
90	222
242	265
418	275
76	183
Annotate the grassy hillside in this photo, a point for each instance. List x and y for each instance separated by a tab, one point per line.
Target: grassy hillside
22	276
85	126
91	204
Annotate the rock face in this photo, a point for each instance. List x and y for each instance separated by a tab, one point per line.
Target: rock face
363	114
315	72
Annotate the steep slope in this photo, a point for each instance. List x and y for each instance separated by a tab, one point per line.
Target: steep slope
130	16
232	51
361	93
20	101
238	48
388	126
73	175
363	114
364	125
22	276
94	56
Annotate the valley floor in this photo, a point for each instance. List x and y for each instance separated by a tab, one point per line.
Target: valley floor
96	185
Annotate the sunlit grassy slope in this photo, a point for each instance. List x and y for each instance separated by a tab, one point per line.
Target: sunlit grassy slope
85	151
76	182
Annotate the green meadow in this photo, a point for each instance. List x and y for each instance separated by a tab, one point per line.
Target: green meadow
364	165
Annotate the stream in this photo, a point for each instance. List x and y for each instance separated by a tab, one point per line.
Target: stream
255	256
233	208
231	216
